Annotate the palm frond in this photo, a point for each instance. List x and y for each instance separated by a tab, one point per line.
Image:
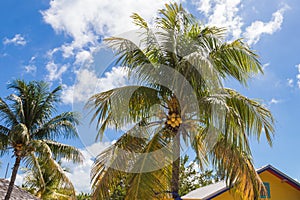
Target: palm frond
6	114
67	152
254	117
62	125
38	172
122	106
139	21
65	183
56	183
47	105
133	56
204	71
37	102
4	140
113	163
238	169
173	16
17	107
152	169
237	60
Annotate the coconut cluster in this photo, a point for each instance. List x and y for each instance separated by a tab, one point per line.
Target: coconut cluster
174	120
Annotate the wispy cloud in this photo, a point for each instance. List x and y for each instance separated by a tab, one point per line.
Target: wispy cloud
298	75
30	69
265	66
17	40
55	71
290	82
259	28
227	13
274	101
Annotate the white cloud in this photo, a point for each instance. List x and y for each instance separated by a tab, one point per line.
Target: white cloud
55	71
290	82
32	59
85	21
16	40
204	6
298	75
226	13
87	82
222	13
274	101
258	28
84	57
265	66
30	69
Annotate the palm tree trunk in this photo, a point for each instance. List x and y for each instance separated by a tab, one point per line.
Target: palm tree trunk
175	166
13	178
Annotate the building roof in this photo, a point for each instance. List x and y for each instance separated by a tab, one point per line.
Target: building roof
215	189
280	175
17	192
207	191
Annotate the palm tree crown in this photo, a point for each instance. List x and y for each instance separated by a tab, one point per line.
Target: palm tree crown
29	128
181	101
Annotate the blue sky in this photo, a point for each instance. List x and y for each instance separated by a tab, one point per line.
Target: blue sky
60	42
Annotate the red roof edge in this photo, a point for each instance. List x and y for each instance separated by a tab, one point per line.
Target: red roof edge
292	182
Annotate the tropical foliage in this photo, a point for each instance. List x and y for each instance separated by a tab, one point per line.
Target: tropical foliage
180	101
191	178
57	185
83	196
30	130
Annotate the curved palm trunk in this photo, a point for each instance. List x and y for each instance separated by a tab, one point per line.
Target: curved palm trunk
13	177
175	166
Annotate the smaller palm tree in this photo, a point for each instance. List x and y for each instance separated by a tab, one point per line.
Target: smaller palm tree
57	185
27	127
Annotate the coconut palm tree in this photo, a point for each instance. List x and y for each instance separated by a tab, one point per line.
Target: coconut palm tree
29	129
180	101
57	185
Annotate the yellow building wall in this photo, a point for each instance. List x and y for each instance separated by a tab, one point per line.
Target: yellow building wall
224	196
279	189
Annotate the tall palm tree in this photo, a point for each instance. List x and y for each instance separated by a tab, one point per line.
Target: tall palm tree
180	101
29	128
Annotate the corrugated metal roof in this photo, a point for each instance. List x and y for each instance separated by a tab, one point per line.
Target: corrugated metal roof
17	193
206	191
